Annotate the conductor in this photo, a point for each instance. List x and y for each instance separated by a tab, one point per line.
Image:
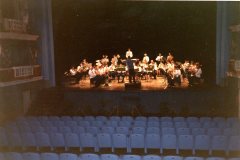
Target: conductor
131	71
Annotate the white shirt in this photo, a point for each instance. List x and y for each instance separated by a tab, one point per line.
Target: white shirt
73	72
177	73
198	73
92	73
159	58
145	59
129	53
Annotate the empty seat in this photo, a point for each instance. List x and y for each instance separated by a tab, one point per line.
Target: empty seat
168	130
115	118
14	139
68	156
137	141
64	129
234	144
58	123
92	130
183	131
3	139
131	157
194	125
97	123
172	158
12	156
151	157
166	119
139	123
89	156
202	143
71	123
169	142
166	124
101	118
77	118
123	130
28	140
219	143
198	131
65	118
111	123
205	119
109	157
109	130
51	129
72	140
35	129
185	143
42	140
155	130
138	130
193	158
87	140
218	119
214	158
180	124
152	118
178	119
57	140
104	140
209	124
84	123
89	118
192	119
141	118
124	123
127	118
214	131
120	141
153	124
31	156
49	156
78	130
152	141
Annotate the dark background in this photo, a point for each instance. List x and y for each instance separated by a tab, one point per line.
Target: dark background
89	29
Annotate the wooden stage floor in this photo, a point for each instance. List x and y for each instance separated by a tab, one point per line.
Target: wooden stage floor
152	84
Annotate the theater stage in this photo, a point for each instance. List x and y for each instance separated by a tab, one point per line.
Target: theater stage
151	84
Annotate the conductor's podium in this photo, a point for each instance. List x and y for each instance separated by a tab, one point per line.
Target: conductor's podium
136	85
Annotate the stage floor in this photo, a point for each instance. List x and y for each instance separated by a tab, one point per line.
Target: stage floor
152	84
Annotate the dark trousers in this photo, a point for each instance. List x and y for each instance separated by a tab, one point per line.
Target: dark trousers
131	75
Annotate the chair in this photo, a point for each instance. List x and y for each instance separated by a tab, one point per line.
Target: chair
185	143
223	124
151	157
109	157
72	140
68	156
42	140
167	124
152	141
71	124
3	139
193	158
97	123
12	156
51	129
28	140
183	131
122	130
209	124
155	130
172	158
153	124
104	140
192	119
218	119
201	143
214	158
120	141
138	130
89	118
198	131
84	123
101	118
166	119
152	118
125	123
169	142
180	124
141	118
205	119
53	118
46	123
178	119
138	123
66	118
230	132
87	140
137	141
127	118
89	156
214	131
92	130
77	118
49	156
115	118
57	140
25	128
168	130
37	129
131	157
194	124
218	143
233	144
78	129
111	123
31	156
14	139
64	129
109	130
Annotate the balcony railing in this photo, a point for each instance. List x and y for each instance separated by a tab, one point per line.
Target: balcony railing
14	25
23	71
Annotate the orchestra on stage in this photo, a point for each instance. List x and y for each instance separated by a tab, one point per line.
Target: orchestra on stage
103	71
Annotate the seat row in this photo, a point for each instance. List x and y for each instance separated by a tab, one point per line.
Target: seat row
125	130
91	156
131	118
122	141
83	123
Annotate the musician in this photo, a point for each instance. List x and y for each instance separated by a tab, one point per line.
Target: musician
153	66
145	59
129	53
74	74
170	57
111	71
160	58
177	75
162	68
121	71
105	60
130	67
114	60
196	75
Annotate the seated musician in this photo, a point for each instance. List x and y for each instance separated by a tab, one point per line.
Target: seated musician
74	74
120	71
162	69
111	71
170	77
103	72
177	75
160	58
129	53
170	57
145	59
153	66
94	76
196	75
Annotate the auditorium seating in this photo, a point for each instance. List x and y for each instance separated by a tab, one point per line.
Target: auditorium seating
129	133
